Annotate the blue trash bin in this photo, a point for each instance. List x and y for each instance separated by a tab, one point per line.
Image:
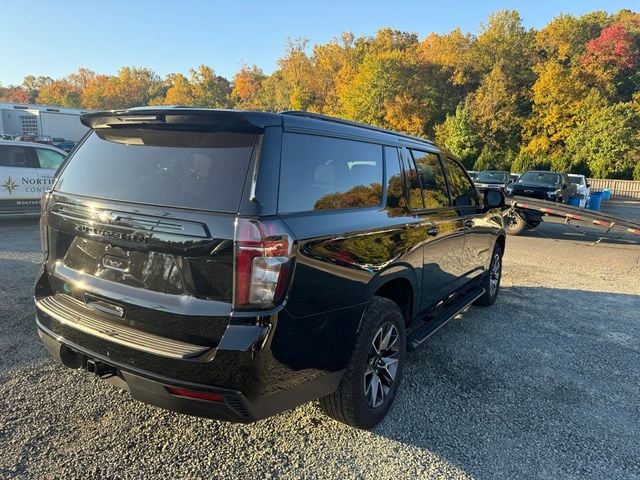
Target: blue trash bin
595	201
574	201
606	194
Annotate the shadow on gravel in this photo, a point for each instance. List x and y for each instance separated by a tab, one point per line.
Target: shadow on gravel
545	384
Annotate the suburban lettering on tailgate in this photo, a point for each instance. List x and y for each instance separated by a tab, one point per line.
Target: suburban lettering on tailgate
129	237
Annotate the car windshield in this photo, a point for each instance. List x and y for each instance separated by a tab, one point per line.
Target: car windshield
576	179
545	178
492	176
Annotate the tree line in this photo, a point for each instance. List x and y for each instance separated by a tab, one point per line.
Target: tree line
564	97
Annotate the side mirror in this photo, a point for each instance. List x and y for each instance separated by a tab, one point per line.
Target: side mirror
494	198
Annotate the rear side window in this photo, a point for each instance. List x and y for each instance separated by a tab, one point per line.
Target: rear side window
325	173
49	159
15	156
434	186
201	170
463	193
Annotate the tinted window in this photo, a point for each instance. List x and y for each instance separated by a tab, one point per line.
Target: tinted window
412	181
323	173
544	178
434	187
493	176
202	170
49	159
14	156
395	194
463	193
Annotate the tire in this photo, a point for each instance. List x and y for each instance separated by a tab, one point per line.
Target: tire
355	402
514	223
491	280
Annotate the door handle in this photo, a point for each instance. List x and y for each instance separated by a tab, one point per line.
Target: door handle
433	231
468	223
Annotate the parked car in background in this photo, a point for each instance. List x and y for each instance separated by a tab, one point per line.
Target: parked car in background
552	186
492	179
25	137
26	172
235	264
583	188
67	145
473	174
514	177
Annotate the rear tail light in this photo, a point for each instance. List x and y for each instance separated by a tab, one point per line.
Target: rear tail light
199	395
262	263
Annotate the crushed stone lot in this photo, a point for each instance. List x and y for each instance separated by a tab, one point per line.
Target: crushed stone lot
545	384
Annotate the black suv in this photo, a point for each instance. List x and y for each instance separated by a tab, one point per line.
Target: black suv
493	179
552	186
233	265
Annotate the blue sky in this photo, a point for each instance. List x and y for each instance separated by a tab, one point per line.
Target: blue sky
54	38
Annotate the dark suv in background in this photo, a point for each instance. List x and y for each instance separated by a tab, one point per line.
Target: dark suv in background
493	179
552	186
236	264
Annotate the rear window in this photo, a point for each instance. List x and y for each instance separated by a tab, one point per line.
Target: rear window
324	173
492	176
201	170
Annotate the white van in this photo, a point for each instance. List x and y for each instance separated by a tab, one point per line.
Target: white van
26	171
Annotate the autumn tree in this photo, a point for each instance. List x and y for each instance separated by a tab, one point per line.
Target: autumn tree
564	39
13	94
60	92
180	92
247	88
132	87
32	85
558	96
494	110
296	73
612	60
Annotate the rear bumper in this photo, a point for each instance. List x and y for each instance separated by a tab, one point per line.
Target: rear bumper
152	388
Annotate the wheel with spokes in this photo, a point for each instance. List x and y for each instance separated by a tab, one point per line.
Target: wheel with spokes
382	365
372	378
514	223
491	281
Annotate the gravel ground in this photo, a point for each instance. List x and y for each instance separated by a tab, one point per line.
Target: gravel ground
545	384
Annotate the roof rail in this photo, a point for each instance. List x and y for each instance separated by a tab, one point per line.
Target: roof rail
326	118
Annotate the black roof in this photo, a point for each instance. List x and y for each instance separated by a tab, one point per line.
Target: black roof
246	119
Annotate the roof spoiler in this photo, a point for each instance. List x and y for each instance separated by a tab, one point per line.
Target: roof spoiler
181	116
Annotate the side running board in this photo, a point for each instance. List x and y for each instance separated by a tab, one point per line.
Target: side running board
421	333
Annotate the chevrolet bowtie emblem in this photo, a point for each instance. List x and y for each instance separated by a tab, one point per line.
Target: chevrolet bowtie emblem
108	217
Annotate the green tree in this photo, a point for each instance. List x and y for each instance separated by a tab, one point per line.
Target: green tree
458	134
607	141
